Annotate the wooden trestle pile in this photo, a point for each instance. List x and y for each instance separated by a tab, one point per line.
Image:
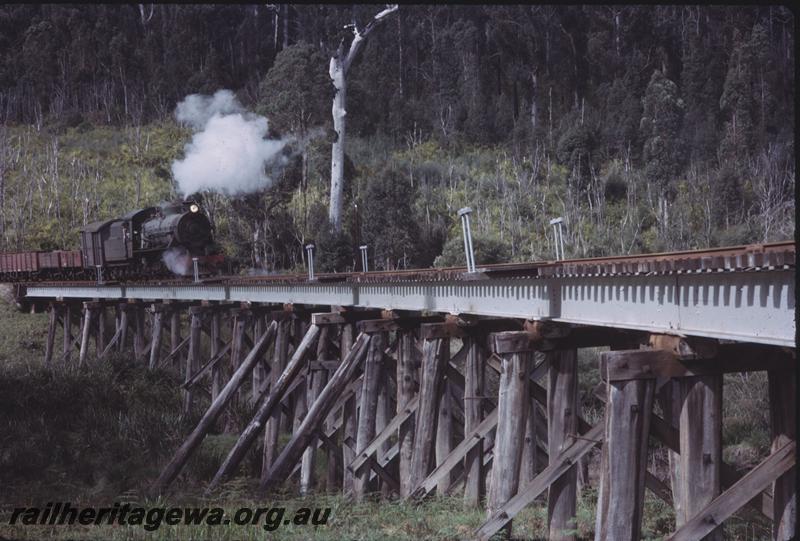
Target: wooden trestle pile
406	405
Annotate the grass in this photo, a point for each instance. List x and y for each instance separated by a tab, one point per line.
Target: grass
22	336
438	518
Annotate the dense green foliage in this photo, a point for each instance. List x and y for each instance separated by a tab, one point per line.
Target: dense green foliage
647	128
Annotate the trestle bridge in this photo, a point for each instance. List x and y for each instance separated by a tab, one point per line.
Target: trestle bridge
453	382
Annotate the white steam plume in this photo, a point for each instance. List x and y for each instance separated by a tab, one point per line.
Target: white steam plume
178	260
196	109
229	151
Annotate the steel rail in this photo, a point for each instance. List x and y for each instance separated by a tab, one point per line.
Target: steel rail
731	258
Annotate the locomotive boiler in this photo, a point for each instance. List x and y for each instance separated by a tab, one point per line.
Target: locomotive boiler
177	224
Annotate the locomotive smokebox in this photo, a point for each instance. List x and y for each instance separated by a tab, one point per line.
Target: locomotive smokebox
177	224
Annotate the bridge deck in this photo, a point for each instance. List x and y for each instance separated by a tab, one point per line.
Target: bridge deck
752	306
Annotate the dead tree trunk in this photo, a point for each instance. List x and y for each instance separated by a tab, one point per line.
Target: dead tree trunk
340	64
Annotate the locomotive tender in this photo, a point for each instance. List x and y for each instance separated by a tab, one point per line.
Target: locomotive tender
153	241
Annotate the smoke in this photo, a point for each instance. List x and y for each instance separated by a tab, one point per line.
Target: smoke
229	151
178	260
196	109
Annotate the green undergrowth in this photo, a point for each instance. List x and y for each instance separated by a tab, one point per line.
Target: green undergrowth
22	336
83	433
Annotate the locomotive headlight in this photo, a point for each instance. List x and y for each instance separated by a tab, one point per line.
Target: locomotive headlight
194	208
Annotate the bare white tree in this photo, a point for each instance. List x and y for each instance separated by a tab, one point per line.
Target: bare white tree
340	64
146	16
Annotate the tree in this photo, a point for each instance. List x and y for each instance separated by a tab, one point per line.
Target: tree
660	127
389	226
295	91
701	86
576	148
294	94
339	66
737	104
333	250
488	250
663	156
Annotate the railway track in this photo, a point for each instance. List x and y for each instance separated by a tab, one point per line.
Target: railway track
753	257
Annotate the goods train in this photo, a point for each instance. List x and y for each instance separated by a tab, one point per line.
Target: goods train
150	242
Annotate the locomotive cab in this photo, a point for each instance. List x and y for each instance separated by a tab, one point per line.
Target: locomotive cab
115	241
93	243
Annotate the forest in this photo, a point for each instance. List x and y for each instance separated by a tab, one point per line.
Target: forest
647	128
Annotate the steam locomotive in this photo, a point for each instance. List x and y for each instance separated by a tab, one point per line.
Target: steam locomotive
150	242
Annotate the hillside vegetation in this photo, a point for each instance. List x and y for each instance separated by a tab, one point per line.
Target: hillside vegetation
646	128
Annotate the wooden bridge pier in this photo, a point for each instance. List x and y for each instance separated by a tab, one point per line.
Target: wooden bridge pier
139	326
512	409
175	337
349	413
474	395
193	358
122	325
783	424
86	316
562	416
434	443
86	327
279	360
158	311
217	349
66	323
